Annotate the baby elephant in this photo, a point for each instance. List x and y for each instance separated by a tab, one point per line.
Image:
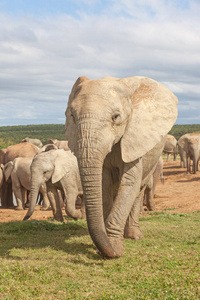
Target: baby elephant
19	172
59	170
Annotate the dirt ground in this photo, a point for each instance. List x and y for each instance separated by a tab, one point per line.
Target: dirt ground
179	193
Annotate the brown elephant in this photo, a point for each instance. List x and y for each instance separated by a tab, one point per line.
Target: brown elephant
117	129
23	149
2	155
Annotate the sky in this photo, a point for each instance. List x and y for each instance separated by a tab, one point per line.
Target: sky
45	45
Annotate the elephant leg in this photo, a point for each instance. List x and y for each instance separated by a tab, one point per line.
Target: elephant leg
19	197
168	156
7	195
25	197
71	193
45	202
17	190
55	205
142	201
132	228
174	156
149	195
82	209
61	198
126	201
149	199
188	164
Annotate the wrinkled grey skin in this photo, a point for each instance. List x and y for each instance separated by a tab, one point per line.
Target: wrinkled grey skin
171	147
189	145
150	188
118	136
59	170
35	142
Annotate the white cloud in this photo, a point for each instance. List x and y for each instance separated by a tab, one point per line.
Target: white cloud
40	58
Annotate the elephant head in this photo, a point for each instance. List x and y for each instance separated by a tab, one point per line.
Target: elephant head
136	112
47	165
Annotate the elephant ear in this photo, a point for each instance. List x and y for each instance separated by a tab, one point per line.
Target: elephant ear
154	111
70	127
8	170
61	168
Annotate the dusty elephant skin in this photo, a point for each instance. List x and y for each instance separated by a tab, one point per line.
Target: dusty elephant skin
171	147
58	169
19	172
189	148
117	129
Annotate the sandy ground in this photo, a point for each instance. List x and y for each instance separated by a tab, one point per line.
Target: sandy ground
179	193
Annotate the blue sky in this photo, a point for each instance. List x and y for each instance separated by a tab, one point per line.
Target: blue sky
46	45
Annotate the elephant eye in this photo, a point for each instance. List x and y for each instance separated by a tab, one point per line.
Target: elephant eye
73	117
115	116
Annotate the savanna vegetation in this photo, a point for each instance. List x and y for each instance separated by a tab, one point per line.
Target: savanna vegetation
10	135
49	260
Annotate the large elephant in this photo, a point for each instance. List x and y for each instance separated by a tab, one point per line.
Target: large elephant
19	172
171	147
117	129
35	142
189	145
24	149
59	170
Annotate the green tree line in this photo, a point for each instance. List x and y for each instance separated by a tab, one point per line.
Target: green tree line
10	135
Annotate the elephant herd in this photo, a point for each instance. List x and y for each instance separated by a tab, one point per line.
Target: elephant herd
50	170
188	147
116	131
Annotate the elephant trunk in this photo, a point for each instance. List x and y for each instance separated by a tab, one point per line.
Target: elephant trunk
91	156
33	200
91	177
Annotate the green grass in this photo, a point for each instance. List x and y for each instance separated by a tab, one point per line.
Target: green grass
49	260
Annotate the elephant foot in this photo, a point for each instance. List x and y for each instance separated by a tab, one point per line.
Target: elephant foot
117	245
133	233
19	208
43	208
59	220
118	250
151	208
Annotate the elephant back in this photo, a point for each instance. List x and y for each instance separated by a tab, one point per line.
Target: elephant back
24	149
